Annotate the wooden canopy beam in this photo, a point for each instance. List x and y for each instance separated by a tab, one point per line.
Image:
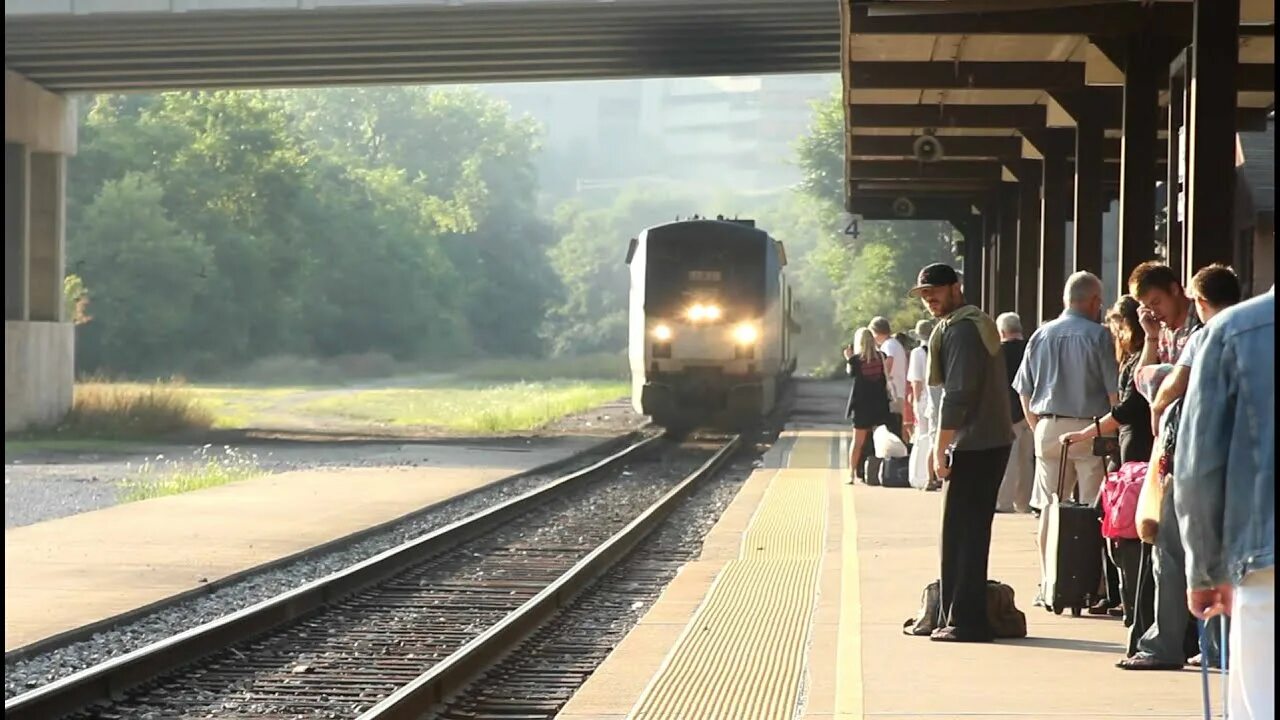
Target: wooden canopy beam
876	75
946	116
961	146
1112	19
912	170
874	207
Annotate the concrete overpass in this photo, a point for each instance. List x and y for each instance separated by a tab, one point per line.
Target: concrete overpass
99	45
1046	112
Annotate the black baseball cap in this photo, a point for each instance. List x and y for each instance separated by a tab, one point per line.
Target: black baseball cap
935	275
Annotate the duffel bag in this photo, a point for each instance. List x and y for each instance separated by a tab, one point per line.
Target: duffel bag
895	472
1120	492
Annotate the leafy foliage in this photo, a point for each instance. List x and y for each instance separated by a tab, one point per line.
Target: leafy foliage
215	228
868	275
218	229
589	259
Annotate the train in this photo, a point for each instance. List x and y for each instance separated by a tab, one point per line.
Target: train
711	323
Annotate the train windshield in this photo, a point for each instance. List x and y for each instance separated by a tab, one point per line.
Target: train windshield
705	265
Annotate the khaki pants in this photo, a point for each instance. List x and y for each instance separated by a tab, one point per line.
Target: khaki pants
1015	489
1082	468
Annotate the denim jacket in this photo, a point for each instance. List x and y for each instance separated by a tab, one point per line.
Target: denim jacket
1224	471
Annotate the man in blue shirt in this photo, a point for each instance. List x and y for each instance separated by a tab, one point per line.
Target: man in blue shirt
1068	377
1224	494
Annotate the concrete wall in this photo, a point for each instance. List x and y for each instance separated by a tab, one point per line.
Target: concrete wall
39	373
39	358
37	118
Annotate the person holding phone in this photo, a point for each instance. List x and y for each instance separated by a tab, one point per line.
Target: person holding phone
970	447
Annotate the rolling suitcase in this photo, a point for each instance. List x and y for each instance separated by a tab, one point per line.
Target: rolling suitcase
1073	556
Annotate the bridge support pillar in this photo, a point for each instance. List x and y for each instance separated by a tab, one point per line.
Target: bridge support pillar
39	367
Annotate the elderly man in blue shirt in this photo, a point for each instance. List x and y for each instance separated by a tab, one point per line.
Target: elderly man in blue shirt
1068	377
1224	489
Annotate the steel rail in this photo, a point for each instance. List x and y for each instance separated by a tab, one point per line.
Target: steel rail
455	672
85	632
109	680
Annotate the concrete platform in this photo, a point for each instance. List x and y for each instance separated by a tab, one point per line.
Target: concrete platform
842	603
66	573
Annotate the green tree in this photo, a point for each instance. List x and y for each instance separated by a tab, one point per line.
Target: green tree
820	152
590	262
868	275
143	270
398	220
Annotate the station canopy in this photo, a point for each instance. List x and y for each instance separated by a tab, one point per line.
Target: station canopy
995	81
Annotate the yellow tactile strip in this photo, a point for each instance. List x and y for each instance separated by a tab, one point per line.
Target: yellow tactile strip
742	655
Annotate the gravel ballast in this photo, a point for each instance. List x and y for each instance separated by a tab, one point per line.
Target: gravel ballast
31	672
566	651
350	650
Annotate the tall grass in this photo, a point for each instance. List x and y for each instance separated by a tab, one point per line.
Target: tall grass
599	366
208	468
133	410
511	407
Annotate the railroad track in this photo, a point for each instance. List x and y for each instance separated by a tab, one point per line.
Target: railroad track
124	620
400	632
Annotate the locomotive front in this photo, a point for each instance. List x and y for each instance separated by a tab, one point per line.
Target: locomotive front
704	323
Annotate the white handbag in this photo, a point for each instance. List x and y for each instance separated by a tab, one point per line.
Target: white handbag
918	475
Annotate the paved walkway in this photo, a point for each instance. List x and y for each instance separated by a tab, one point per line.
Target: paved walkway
69	572
878	551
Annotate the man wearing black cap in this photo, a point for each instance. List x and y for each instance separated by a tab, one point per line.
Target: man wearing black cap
970	447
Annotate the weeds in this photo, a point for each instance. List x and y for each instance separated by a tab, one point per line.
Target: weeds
208	468
132	410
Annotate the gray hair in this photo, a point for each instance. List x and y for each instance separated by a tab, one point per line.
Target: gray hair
880	325
1009	323
1080	287
924	328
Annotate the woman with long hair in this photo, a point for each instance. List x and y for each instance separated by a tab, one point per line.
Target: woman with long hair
868	406
1132	418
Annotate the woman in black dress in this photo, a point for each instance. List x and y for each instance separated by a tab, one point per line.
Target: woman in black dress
868	405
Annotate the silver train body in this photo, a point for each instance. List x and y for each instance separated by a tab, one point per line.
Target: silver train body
711	323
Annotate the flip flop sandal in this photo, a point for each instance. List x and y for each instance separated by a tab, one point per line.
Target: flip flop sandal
1143	663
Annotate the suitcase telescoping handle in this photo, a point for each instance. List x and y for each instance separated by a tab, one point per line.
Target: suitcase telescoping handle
1062	474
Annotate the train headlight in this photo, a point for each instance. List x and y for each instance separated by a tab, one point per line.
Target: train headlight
745	334
662	333
698	312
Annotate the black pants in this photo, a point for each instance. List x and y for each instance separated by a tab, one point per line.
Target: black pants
968	506
1112	592
1127	557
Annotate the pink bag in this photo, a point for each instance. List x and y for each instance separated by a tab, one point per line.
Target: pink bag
1120	501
